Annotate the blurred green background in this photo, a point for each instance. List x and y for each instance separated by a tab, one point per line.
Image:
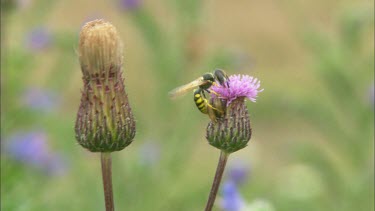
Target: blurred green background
312	146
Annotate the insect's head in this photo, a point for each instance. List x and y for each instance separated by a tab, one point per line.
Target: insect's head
209	77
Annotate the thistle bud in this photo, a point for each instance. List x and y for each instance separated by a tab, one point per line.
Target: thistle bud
233	131
105	122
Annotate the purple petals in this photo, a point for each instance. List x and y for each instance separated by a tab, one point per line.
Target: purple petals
239	86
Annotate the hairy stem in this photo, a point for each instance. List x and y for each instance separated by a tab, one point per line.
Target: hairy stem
107	180
216	183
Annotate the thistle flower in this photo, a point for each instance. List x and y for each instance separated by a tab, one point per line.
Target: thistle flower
105	121
232	132
240	86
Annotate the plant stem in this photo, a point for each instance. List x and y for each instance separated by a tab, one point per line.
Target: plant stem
215	185
107	180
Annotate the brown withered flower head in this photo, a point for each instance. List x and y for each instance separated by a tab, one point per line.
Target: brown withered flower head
233	131
105	122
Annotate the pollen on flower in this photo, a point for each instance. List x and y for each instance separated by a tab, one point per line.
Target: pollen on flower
239	86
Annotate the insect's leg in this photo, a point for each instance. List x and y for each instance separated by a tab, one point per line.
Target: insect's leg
203	94
215	93
210	91
209	105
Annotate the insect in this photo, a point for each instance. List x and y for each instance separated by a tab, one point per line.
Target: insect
217	108
204	83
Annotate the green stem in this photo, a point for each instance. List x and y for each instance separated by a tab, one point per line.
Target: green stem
216	183
107	180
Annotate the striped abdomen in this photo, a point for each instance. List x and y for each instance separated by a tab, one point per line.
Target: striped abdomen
200	101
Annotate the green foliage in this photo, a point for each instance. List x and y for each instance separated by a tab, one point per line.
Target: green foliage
312	144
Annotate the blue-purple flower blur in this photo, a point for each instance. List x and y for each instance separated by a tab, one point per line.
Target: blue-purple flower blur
38	39
371	94
32	150
149	153
40	99
130	4
238	172
231	198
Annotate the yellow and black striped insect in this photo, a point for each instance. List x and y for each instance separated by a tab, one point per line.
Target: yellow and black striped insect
204	83
214	109
200	101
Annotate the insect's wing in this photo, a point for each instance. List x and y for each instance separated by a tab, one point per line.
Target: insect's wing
222	77
181	90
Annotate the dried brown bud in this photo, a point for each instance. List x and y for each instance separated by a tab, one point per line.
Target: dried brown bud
105	122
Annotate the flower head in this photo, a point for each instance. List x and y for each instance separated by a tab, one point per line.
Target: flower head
232	132
239	86
105	121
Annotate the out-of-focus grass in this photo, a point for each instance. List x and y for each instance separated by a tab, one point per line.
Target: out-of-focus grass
312	144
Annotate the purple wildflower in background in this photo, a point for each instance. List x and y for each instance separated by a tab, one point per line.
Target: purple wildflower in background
32	149
149	153
231	198
40	99
38	39
23	4
130	4
241	59
371	94
239	86
238	172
